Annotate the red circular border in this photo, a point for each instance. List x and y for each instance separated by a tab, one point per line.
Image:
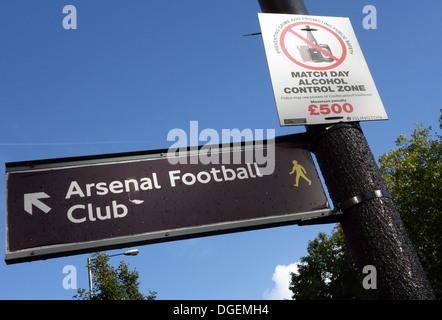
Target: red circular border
344	48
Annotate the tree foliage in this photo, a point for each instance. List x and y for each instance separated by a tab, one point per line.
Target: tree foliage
110	283
412	172
328	272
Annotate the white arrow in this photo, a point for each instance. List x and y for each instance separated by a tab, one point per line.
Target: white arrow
34	199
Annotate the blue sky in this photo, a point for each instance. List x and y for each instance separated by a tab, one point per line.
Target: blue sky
134	70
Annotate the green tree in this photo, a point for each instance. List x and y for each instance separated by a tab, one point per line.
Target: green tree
413	174
328	272
110	283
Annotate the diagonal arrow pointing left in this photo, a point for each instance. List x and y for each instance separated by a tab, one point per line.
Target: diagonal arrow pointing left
34	199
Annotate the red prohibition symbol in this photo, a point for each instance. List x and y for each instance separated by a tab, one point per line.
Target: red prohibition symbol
317	53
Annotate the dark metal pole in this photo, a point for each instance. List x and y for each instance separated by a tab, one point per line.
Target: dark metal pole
372	226
295	7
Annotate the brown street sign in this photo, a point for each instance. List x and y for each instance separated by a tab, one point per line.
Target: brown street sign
69	206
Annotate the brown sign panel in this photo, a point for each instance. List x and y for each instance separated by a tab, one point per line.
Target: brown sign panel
59	208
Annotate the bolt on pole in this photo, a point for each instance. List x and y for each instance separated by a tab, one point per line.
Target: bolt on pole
372	227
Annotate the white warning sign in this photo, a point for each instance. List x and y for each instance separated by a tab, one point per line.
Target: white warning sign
318	72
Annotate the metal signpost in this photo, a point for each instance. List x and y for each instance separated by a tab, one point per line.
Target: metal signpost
372	226
67	206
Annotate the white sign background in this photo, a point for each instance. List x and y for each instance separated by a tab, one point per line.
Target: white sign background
320	80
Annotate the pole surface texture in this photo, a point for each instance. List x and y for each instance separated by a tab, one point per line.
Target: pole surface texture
373	228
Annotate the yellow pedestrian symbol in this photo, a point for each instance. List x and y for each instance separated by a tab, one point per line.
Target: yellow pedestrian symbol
300	172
